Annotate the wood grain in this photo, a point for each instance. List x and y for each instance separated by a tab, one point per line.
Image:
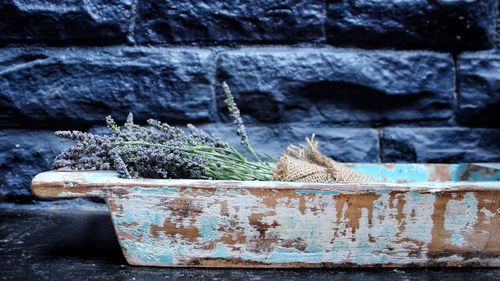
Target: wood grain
269	224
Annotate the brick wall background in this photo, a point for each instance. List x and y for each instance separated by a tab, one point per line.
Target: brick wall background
390	81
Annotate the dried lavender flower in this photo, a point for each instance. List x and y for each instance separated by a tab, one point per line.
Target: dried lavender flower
79	136
111	124
101	152
234	112
120	165
130	120
206	138
171	132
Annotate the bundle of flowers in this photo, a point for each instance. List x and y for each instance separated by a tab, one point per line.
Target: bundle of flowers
163	151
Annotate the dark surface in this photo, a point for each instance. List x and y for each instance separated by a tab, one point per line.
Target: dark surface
73	21
435	145
23	154
170	21
448	25
479	83
79	87
81	245
338	85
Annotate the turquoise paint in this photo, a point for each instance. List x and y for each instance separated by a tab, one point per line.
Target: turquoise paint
145	257
119	221
101	176
456	238
456	171
127	216
448	184
280	255
156	190
379	204
413	196
316	192
464	216
167	258
382	192
146	252
419	172
313	245
228	191
234	191
285	255
406	172
155	218
221	251
336	253
208	227
363	244
477	176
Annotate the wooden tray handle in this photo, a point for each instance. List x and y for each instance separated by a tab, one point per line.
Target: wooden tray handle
65	184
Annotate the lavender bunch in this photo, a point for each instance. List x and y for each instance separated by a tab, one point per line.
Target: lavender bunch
111	151
163	151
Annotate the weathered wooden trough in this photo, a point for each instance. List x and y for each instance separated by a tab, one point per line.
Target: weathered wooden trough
423	215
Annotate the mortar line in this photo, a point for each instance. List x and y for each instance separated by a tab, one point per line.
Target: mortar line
133	19
380	144
323	24
456	90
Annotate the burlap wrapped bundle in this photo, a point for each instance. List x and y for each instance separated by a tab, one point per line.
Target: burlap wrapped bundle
307	164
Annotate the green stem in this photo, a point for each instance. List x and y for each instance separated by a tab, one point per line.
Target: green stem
223	163
193	151
250	148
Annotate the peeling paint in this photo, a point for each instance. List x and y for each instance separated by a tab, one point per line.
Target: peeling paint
460	217
261	224
363	229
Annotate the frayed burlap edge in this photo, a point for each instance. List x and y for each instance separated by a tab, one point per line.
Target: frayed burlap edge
306	164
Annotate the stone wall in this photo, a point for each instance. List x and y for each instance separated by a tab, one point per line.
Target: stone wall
390	81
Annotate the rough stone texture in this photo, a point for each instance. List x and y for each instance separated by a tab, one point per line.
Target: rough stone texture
164	21
55	21
71	87
447	145
343	144
451	24
23	154
295	84
479	84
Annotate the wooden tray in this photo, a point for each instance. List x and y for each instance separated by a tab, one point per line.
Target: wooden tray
425	215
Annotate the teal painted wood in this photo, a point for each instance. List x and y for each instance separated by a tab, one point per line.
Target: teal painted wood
430	172
270	224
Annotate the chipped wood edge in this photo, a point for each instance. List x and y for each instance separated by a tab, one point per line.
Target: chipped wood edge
66	184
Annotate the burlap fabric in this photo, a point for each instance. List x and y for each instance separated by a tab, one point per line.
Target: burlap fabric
307	164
